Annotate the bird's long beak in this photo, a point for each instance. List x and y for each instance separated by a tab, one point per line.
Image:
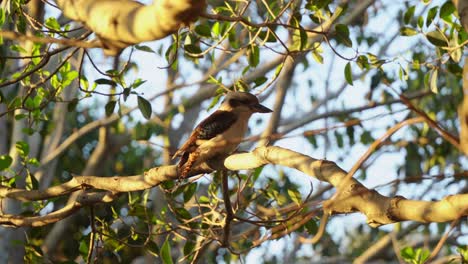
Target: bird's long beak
258	108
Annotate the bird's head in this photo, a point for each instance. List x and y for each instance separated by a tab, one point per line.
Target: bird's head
243	102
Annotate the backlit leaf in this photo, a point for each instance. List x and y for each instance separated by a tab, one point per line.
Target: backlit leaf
348	74
145	107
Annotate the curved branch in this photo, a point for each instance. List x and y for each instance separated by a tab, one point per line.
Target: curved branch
121	23
66	42
82	200
116	184
354	197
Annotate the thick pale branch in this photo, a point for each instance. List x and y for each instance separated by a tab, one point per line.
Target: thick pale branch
379	209
149	179
120	23
353	196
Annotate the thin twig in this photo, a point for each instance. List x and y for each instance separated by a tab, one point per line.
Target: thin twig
228	207
92	235
442	240
48	40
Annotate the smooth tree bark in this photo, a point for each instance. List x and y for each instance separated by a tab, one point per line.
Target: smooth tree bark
122	23
351	195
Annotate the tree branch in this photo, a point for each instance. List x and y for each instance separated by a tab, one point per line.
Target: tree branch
82	200
354	197
379	209
121	23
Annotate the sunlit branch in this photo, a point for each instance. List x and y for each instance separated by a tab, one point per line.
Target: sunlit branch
69	209
48	40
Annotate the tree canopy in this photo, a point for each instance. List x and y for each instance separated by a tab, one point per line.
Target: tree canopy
363	159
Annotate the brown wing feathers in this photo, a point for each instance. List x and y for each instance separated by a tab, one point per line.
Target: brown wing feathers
212	126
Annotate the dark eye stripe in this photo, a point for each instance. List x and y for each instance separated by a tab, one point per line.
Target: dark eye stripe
234	102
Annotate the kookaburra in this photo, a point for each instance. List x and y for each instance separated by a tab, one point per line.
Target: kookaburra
221	132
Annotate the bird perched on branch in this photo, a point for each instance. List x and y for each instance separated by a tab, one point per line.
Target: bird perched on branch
221	132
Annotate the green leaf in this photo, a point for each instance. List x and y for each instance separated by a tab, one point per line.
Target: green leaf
52	23
110	106
317	56
257	173
407	31
145	107
457	52
260	80
436	38
463	252
144	48
446	11
141	132
366	137
267	36
31	182
69	77
17	48
166	253
350	133
183	213
21	24
254	56
339	139
204	200
152	248
403	74
423	255
192	50
433	82
105	81
137	83
126	93
455	69
313	140
203	30
22	148
36	51
295	196
348	74
219	28
214	101
409	14
233	39
407	253
311	226
342	35
5	162
431	14
188	247
420	22
363	62
427	76
190	191
84	246
278	69
299	38
2	16
28	131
